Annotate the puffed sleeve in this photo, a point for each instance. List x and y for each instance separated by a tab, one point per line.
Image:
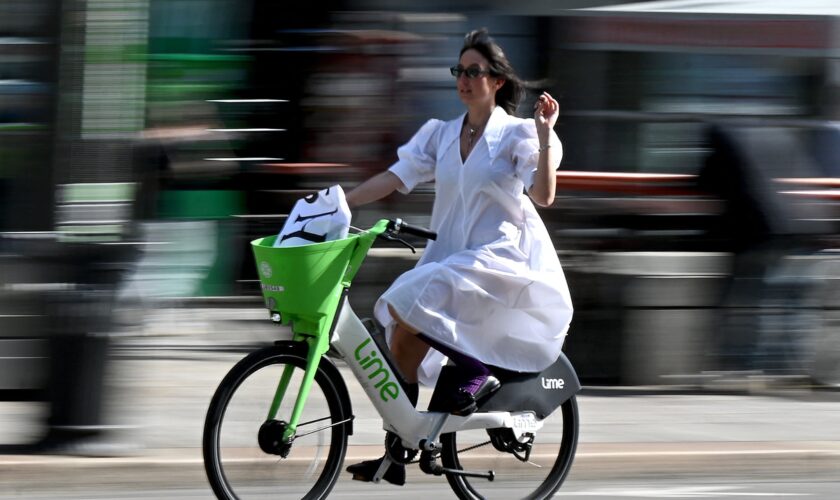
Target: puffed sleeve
418	156
526	150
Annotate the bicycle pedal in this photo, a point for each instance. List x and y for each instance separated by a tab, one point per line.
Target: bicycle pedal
372	471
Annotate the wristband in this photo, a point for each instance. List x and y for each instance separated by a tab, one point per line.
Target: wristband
543	148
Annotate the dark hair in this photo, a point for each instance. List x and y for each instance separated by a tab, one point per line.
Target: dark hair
509	95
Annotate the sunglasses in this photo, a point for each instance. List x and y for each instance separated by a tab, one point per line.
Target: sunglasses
471	72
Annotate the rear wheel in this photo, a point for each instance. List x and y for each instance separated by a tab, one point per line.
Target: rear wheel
552	451
243	454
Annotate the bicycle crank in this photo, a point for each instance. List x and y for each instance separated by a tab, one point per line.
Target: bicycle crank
396	451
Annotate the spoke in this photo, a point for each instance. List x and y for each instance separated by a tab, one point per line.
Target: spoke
321	428
315	421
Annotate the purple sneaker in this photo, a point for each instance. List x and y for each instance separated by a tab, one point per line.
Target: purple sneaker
472	379
466	398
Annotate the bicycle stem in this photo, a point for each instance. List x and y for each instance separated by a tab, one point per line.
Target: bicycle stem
366	240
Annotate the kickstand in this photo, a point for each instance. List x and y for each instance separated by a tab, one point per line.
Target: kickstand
383	468
429	465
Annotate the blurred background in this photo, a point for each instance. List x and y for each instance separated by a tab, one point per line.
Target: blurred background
145	143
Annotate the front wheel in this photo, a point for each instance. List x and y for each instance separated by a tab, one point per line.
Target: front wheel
242	457
552	451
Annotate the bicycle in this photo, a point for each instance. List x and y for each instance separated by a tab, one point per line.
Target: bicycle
296	446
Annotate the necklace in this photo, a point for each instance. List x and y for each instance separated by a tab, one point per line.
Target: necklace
472	132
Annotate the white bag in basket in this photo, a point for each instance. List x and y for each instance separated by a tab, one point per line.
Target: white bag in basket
319	217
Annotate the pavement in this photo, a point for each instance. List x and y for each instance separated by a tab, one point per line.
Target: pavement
161	382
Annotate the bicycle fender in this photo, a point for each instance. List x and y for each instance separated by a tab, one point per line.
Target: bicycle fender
541	392
326	365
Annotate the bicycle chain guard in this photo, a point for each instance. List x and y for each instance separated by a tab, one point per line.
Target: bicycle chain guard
504	440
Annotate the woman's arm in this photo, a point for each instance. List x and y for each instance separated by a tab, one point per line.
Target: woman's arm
546	111
375	188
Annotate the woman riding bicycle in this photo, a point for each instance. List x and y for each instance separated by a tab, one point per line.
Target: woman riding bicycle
490	290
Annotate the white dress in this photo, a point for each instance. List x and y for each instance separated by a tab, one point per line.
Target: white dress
491	285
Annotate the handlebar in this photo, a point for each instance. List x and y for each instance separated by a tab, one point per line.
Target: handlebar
399	226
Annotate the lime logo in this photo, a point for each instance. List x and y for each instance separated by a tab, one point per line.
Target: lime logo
553	383
371	362
265	269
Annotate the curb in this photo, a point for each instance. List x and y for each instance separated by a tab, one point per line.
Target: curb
740	459
184	467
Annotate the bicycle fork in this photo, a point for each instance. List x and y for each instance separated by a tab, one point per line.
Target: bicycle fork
313	359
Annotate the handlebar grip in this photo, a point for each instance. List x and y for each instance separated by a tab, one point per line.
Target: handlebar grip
401	227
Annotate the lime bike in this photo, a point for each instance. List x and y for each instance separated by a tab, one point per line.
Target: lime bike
279	422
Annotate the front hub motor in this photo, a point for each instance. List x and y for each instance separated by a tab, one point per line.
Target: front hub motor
270	438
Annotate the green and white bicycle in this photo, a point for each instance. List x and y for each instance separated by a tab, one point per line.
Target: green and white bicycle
279	422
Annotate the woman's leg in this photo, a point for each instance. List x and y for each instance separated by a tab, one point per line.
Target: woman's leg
474	379
408	351
408	348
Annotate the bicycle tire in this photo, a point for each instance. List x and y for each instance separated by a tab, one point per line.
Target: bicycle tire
508	469
269	475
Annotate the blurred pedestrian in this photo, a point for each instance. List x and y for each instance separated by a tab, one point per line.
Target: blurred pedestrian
759	226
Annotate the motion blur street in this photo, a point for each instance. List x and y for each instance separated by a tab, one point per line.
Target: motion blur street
145	144
759	439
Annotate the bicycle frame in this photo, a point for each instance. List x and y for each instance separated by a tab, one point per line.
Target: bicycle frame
356	346
351	340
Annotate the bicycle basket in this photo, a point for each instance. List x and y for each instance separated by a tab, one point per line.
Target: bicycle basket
303	283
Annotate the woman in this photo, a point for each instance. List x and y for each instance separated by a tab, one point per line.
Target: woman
491	286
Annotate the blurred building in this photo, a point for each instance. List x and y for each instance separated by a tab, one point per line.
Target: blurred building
645	83
191	127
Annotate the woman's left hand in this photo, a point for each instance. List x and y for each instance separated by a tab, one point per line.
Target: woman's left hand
546	112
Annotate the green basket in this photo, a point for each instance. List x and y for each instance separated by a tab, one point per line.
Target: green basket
303	283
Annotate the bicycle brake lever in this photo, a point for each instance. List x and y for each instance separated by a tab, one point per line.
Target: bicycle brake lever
391	237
